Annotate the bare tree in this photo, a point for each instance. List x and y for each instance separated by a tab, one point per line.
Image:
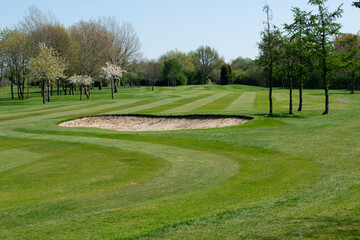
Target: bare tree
35	20
91	48
153	71
268	51
125	42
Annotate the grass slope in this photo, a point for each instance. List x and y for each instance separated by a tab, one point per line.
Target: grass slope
272	178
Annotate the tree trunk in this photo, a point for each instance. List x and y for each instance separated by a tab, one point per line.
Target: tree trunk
326	100
48	91
81	92
100	84
12	88
43	91
152	86
112	88
115	87
23	89
18	87
270	92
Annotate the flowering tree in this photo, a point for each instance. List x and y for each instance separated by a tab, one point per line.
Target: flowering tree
113	73
84	82
47	67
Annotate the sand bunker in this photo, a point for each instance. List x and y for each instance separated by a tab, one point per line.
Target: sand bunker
152	123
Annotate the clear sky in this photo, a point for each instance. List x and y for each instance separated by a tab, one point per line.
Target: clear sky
232	27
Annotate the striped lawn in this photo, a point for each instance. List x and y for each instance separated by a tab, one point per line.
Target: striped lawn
196	104
244	101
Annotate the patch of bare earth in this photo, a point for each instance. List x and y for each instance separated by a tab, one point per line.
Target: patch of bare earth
149	123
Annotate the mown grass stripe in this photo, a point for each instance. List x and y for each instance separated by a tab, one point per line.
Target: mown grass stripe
182	101
78	111
244	101
219	104
196	104
154	104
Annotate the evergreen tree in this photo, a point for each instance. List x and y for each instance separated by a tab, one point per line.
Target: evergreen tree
297	33
226	74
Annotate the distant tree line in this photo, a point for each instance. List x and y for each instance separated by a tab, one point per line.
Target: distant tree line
301	54
40	51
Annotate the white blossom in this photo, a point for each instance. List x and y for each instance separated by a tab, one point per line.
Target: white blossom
79	80
47	65
112	71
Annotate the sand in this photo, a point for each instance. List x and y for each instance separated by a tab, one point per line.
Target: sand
150	123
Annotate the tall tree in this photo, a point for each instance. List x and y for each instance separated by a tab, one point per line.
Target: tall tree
322	30
34	20
47	67
153	72
287	64
297	32
56	37
268	55
207	59
125	42
226	74
91	47
347	46
173	72
15	46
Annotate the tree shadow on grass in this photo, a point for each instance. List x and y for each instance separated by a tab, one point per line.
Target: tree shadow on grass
280	115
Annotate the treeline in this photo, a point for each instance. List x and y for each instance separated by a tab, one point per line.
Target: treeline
80	51
309	52
86	49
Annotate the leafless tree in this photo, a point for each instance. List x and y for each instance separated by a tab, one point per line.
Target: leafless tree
34	20
153	72
91	48
125	42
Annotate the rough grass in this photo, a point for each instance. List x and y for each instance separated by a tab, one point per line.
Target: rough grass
272	178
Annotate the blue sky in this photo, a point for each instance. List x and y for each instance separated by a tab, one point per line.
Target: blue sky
230	26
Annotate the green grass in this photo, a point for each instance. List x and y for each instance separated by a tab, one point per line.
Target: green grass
285	177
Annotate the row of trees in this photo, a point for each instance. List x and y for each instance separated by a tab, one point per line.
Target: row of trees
310	49
88	49
39	48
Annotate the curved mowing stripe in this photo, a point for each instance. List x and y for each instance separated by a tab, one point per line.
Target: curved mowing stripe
190	170
197	104
78	109
245	101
